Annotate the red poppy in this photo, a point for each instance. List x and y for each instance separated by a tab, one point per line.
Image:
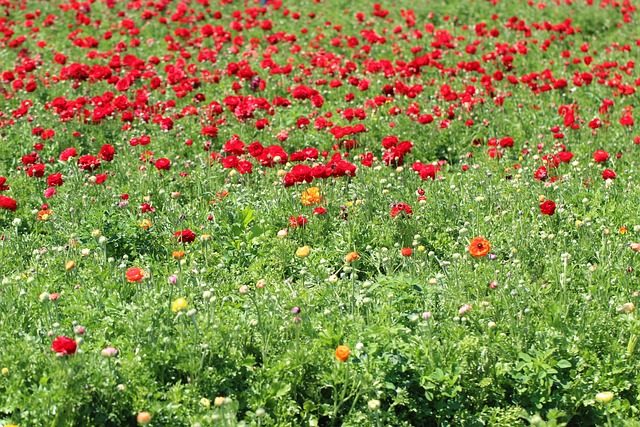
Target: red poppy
185	236
64	345
548	207
608	174
406	252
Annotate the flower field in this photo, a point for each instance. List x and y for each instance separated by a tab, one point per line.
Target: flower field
321	213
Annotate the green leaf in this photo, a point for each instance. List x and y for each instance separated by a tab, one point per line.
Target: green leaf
563	364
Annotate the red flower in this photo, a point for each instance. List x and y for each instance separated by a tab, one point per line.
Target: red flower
320	211
8	203
608	174
185	236
146	207
299	221
406	252
68	152
55	180
163	164
88	162
600	156
541	174
107	152
547	207
64	345
36	170
399	208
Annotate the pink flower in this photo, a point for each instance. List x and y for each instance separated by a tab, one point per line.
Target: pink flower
49	192
109	351
464	309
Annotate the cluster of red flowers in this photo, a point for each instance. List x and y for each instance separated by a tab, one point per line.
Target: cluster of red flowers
400	209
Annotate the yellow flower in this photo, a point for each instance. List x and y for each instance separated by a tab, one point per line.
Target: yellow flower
146	224
205	237
303	251
5	371
179	304
604	397
311	196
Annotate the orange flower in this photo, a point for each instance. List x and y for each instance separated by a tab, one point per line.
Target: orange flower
177	254
342	353
303	251
135	275
479	247
311	196
143	417
44	214
145	224
351	256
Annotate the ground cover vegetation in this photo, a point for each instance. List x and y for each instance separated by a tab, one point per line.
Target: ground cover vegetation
220	212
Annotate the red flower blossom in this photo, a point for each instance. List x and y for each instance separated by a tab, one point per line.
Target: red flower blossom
88	162
548	207
64	345
8	203
36	170
406	252
400	208
608	174
541	174
185	236
55	180
66	153
299	221
107	152
600	156
163	164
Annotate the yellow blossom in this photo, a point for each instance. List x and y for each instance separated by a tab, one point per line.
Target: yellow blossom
604	397
179	304
303	251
